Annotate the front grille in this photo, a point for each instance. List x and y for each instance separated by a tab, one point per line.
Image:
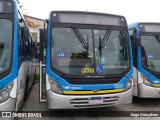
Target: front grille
92	81
84	102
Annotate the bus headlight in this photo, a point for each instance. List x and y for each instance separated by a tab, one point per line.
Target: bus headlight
146	81
5	92
55	87
129	84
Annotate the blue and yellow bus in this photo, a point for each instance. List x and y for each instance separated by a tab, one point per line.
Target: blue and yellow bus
88	60
17	52
145	39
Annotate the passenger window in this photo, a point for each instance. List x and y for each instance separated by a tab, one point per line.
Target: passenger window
21	44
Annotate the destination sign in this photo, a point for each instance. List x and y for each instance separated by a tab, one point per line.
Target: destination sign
6	6
88	18
150	27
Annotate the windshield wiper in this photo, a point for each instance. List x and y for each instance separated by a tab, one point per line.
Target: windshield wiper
80	37
105	38
103	42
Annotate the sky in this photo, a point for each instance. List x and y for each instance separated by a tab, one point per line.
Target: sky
133	10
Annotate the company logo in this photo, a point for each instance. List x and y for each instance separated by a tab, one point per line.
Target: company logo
156	81
95	76
66	87
95	91
76	88
6	114
118	85
73	88
20	115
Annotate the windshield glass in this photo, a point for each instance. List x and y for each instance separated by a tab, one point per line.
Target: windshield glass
150	47
113	56
71	54
5	44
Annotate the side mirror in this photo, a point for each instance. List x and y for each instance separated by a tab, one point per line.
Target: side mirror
25	34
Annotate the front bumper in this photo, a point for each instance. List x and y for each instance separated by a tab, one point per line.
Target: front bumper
148	92
8	105
56	101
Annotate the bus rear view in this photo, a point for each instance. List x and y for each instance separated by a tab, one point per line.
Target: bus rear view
88	60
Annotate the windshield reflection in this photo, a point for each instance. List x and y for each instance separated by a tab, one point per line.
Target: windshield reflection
5	44
106	53
150	47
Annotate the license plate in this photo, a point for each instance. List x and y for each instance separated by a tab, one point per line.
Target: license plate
95	101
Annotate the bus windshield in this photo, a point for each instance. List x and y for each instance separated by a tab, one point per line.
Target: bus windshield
89	51
5	44
150	47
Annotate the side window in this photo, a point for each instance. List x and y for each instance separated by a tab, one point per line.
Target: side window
21	43
29	46
26	48
32	49
132	33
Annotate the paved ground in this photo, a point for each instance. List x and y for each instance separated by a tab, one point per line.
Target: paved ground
32	104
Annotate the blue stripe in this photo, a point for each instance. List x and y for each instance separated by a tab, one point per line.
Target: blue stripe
48	66
122	82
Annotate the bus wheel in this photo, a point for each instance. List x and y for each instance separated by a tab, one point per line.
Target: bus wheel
26	89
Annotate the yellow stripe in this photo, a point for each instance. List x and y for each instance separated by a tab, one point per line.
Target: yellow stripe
156	85
92	92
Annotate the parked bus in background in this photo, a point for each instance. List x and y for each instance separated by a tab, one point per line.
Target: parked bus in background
145	39
17	51
88	60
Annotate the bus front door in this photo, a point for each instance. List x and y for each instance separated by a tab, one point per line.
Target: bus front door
42	89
